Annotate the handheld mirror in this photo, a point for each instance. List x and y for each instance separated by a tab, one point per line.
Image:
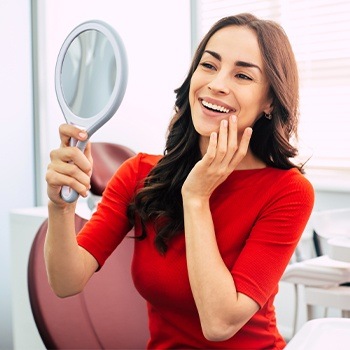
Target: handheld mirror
90	80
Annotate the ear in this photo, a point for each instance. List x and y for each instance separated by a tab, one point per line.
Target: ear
269	106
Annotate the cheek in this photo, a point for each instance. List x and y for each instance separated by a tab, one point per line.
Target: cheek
192	92
195	84
256	102
190	95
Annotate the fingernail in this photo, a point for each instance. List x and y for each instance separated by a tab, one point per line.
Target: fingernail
224	122
82	134
233	118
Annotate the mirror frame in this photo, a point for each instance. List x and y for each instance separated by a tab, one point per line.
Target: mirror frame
93	123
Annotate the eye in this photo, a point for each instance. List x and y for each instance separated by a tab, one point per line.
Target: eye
243	76
207	65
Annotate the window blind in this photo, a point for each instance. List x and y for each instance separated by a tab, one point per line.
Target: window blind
319	32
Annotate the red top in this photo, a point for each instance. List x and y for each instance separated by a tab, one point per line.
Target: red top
259	216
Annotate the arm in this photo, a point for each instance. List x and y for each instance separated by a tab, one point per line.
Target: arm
69	267
222	310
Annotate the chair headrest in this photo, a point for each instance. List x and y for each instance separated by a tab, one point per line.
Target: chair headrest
107	157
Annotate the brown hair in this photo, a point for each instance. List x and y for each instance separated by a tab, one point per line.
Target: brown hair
160	200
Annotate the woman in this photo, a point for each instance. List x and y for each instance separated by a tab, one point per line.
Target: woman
216	218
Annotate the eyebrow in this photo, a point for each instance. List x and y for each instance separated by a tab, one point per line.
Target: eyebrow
237	63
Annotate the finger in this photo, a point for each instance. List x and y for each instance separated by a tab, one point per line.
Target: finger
243	147
71	155
232	143
72	170
221	149
56	180
88	155
68	131
209	156
69	170
78	167
245	140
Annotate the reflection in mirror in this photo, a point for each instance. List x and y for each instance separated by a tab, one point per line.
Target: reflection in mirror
88	73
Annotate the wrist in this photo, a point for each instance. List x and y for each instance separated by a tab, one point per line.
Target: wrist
63	207
195	202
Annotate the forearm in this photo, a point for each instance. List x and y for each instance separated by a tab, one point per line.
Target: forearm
65	261
211	282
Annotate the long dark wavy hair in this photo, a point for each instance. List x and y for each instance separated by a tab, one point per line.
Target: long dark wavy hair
160	202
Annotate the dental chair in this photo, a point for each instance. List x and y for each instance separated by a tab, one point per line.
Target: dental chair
323	278
109	313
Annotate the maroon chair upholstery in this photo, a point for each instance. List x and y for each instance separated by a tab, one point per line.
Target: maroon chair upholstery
109	313
107	157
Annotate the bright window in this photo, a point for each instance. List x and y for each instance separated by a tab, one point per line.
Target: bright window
319	32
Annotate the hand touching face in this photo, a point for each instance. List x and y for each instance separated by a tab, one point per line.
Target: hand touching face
223	155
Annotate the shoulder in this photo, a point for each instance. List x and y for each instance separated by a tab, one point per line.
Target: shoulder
142	161
130	175
148	159
291	183
292	177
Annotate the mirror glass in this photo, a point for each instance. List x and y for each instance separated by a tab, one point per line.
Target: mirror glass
88	73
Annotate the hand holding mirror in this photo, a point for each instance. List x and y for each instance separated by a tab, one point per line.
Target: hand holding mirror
90	80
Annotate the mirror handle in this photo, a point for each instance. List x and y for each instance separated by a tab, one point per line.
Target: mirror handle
68	194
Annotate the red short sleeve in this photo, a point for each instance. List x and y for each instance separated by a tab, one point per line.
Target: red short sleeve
109	224
274	237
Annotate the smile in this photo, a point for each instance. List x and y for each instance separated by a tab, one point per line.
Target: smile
214	107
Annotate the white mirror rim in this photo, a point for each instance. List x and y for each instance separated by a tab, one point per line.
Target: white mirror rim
92	123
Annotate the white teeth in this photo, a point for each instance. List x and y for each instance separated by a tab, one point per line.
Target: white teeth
215	107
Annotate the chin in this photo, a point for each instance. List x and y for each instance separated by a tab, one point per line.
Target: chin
205	132
205	129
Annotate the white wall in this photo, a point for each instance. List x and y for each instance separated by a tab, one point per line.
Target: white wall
16	141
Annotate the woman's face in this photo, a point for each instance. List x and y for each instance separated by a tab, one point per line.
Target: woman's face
230	79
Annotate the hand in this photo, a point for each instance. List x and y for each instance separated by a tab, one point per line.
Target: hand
222	157
69	166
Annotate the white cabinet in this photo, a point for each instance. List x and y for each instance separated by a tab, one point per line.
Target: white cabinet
24	224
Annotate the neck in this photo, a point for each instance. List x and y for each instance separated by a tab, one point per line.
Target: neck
250	161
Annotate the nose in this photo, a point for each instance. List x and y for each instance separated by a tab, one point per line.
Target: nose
219	84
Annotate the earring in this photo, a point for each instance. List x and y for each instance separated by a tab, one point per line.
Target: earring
268	116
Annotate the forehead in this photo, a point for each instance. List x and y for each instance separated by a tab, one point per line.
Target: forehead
236	43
